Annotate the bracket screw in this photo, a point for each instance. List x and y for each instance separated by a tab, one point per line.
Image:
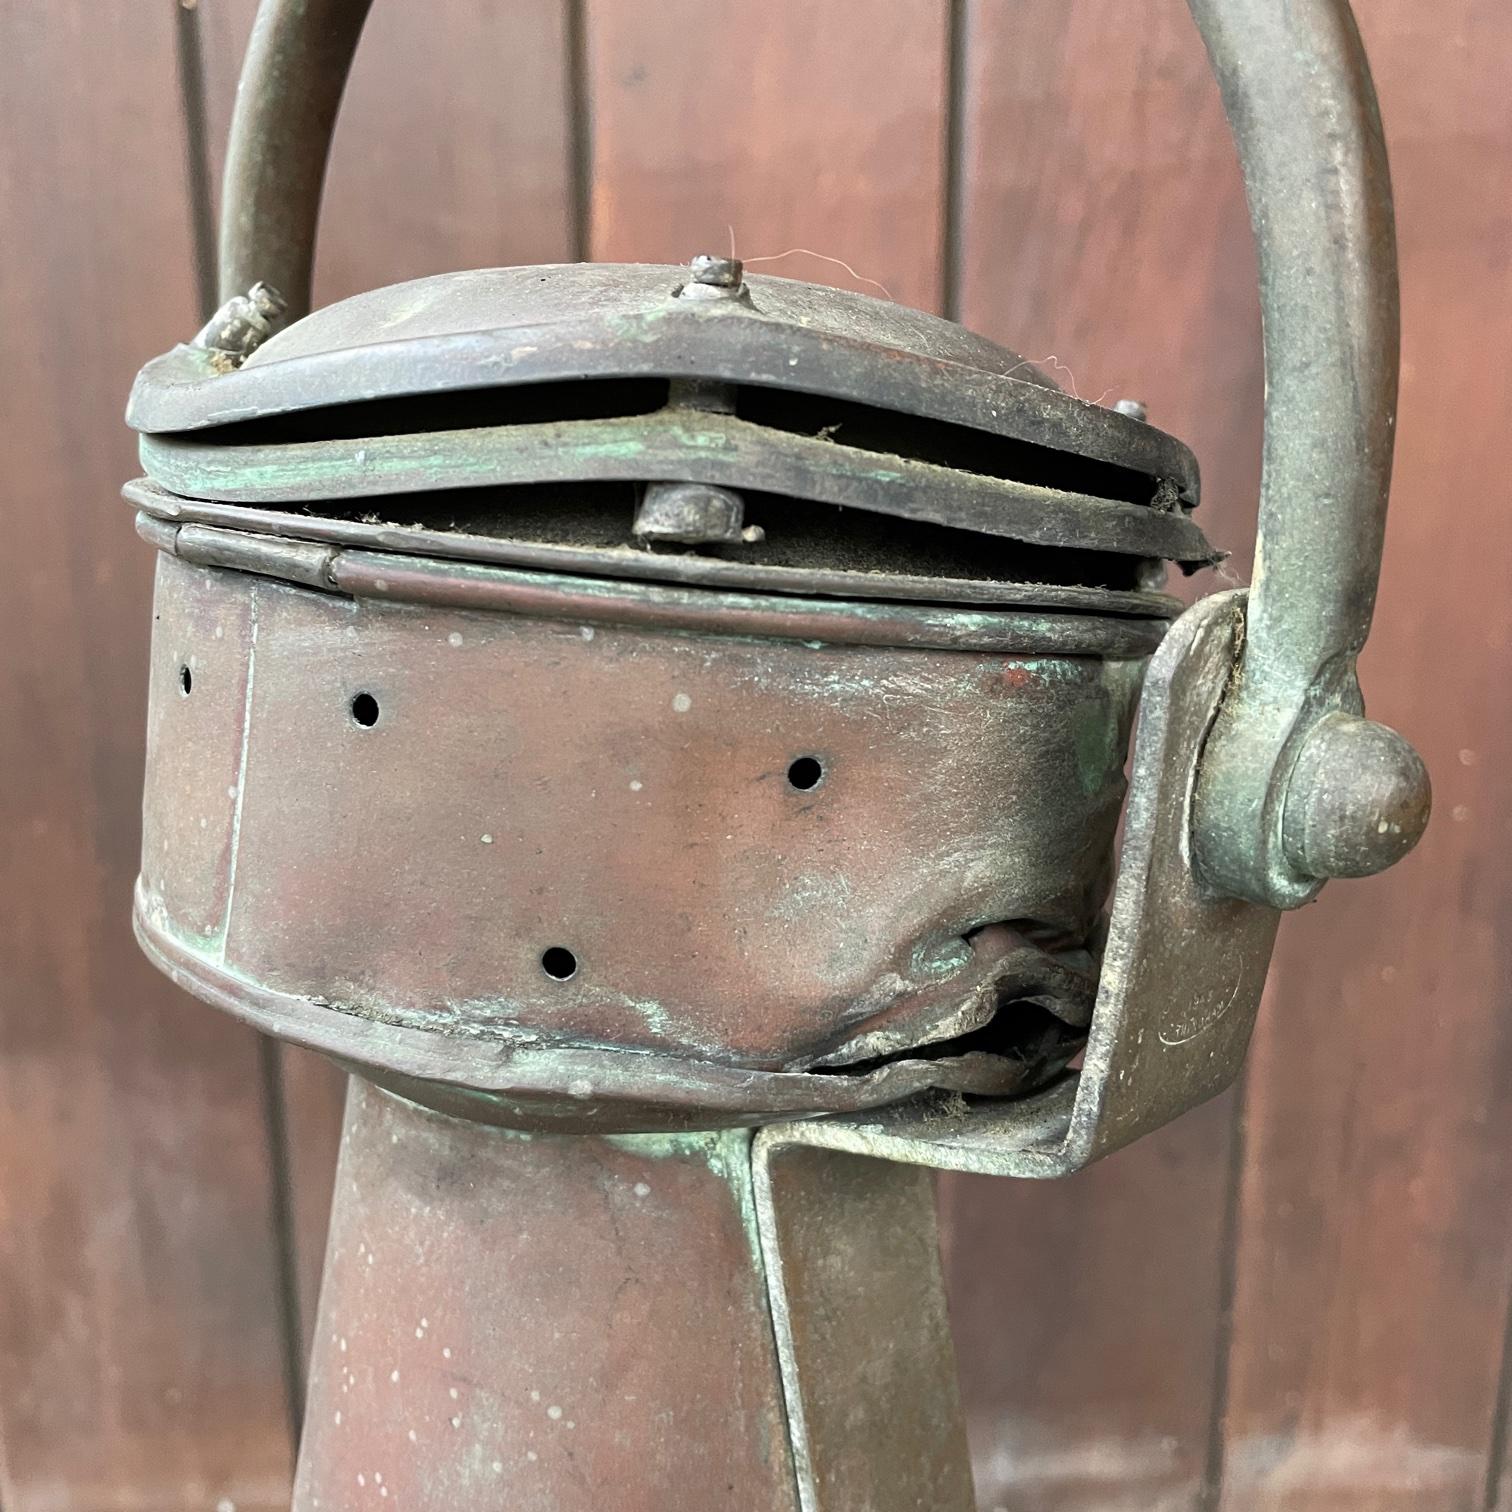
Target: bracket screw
695	514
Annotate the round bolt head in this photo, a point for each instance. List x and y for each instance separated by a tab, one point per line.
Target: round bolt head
1357	800
693	513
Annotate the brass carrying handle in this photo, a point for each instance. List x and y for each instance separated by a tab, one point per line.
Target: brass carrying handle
1295	786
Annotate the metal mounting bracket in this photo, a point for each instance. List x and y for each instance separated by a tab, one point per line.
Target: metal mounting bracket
1182	971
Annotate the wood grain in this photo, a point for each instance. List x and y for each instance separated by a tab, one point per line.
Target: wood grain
140	1365
453	150
1103	233
788	125
1376	1224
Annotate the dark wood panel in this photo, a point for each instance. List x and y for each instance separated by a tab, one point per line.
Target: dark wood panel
1103	233
453	150
139	1348
785	125
453	145
1085	1316
1377	1197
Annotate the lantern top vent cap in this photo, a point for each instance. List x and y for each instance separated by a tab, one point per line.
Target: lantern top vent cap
501	327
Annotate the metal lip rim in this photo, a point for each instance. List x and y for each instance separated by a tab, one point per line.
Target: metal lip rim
380	577
675	445
628	564
669	1090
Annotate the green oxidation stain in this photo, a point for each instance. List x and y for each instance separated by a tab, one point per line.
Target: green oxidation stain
187	466
726	1152
1095	734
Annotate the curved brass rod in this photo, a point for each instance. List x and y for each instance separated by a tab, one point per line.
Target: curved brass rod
1297	90
298	59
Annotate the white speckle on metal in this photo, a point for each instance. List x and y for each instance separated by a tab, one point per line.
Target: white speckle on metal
586	632
681	703
642	1189
454	639
554	1413
636	785
487	839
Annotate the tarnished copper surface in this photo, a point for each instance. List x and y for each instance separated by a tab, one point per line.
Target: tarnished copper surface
541	1324
1182	971
858	1299
628	794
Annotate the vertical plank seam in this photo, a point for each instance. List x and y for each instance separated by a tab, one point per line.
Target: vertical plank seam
1214	1463
579	129
189	43
1496	1450
8	1496
190	59
952	221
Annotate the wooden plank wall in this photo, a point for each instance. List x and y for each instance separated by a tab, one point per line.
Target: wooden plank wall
1296	1299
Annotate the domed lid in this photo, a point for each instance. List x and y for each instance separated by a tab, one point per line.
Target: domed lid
576	376
496	327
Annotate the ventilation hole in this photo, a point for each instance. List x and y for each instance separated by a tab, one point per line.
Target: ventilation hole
365	710
559	963
186	680
805	773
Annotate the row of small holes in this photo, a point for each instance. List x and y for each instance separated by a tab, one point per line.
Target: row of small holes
804	773
558	962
